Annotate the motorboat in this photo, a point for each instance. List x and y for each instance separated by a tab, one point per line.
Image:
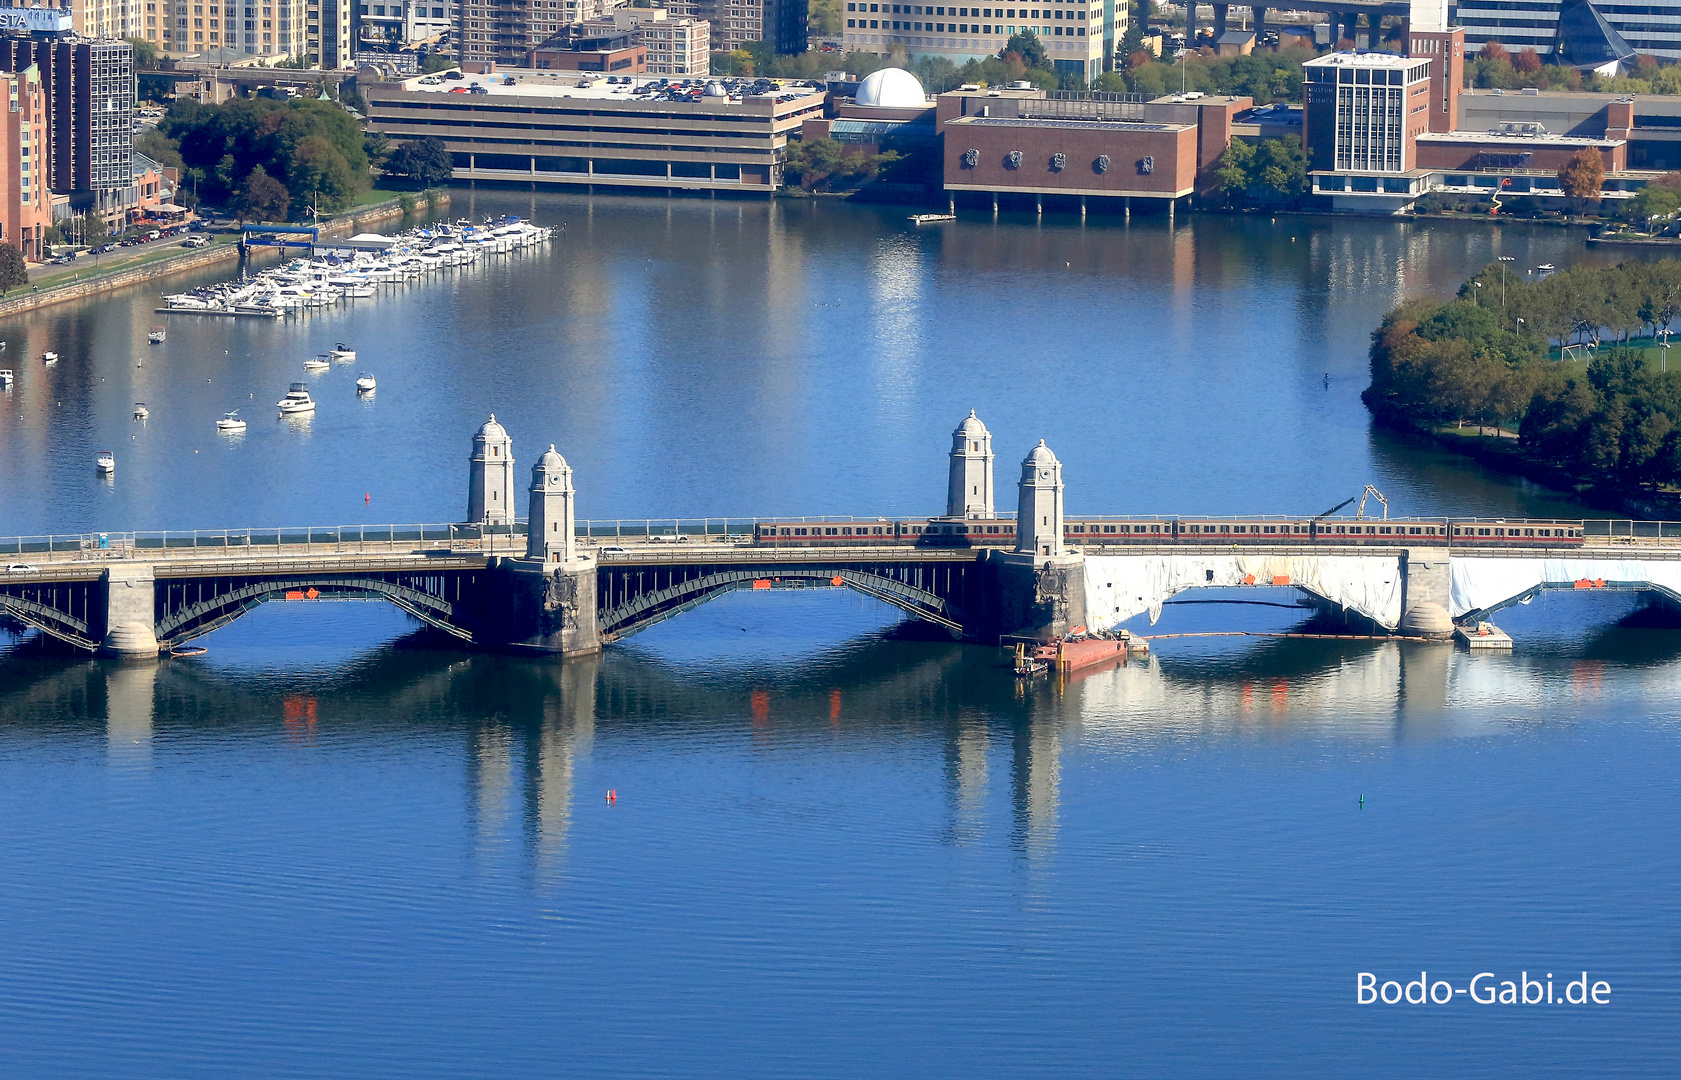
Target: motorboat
141	412
49	358
297	400
365	383
342	353
106	462
319	363
232	422
156	336
5	378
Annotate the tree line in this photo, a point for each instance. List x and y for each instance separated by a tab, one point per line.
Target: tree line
1567	362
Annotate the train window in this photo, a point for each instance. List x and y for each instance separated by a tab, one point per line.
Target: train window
1430	530
799	532
846	532
1529	532
833	532
1341	529
1482	532
1270	529
1225	528
1499	532
961	529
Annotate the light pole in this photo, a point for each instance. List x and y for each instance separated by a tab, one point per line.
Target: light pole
1476	294
1504	259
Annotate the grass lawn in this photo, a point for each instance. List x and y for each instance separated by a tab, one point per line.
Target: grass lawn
89	266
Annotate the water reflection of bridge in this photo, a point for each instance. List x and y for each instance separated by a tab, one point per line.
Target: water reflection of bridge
527	729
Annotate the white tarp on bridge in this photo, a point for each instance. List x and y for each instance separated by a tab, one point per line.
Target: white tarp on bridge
1121	586
1479	583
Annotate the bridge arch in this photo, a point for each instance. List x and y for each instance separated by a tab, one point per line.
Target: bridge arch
640	609
1479	587
1119	587
185	614
60	610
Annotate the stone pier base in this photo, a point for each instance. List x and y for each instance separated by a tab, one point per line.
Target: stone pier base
543	607
1029	597
130	612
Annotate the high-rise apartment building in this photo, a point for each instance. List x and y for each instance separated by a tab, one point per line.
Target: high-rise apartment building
1078	35
736	22
327	32
671	45
387	25
25	201
505	31
106	18
267	28
89	92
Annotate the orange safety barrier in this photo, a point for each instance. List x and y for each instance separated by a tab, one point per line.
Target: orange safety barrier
1281	579
762	583
1249	579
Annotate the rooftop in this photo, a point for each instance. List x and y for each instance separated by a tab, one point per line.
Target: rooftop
525	82
1381	60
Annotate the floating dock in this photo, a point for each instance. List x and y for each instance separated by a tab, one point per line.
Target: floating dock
1483	636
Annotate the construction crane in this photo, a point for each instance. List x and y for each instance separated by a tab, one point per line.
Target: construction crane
1359	511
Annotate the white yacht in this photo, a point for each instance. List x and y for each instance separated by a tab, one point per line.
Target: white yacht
343	353
5	378
141	412
49	358
365	383
232	422
105	462
297	400
318	363
156	336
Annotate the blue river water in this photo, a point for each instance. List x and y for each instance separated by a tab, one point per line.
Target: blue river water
841	846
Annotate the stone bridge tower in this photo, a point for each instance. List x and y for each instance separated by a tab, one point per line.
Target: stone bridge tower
1039	513
553	521
969	492
490	480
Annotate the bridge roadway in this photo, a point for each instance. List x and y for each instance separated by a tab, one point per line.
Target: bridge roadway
452	578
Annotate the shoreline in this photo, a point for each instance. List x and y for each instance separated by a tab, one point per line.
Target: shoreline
100	282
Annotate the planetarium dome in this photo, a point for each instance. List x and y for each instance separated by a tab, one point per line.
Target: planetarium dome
891	88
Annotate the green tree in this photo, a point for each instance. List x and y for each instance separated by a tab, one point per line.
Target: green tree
1028	49
145	53
828	165
1654	201
263	199
426	161
824	18
13	270
318	176
433	63
160	148
1271	173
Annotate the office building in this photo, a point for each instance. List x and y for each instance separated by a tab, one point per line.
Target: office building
782	23
1077	36
1363	112
545	127
1542	25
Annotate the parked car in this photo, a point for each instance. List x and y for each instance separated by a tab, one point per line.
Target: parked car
153	235
103	248
195	241
611	549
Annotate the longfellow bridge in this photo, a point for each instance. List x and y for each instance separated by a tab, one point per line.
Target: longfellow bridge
552	583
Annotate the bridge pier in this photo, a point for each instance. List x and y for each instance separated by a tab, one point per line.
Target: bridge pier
130	611
1425	594
547	608
1027	596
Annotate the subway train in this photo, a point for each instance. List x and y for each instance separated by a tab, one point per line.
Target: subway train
1102	532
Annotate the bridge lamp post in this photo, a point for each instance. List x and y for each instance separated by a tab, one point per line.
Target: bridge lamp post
1504	259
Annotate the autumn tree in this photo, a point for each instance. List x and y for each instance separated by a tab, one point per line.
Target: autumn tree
263	199
1583	175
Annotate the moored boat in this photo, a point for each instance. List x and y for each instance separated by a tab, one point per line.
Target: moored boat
156	336
230	422
297	400
365	383
141	412
106	462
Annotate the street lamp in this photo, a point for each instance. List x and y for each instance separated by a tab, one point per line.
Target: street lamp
1476	297
1504	259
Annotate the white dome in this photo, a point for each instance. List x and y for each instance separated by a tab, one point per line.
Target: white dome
891	88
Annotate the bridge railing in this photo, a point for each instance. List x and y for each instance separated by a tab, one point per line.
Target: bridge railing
1623	530
302	538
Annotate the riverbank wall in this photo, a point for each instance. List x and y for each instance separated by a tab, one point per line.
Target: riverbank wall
359	220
